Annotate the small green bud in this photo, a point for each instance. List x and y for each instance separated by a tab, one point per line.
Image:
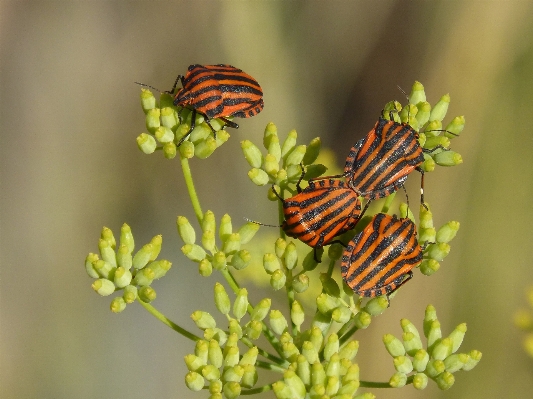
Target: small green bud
231	389
286	337
329	285
278	323
455	126
201	134
429	266
250	357
209	222
411	342
474	357
222	301
295	384
309	263
185	230
270	131
341	314
253	329
447	232
281	390
377	305
130	294
362	320
331	346
427	235
152	119
274	149
300	283
290	256
108	236
405	212
201	349
219	261
270	263
208	240
326	303
90	261
261	309
247	232
271	165
144	277
297	314
316	338
122	277
235	328
294	172
420	381
118	304
424	110
142	257
439	110
210	372
280	246
147	100
156	242
107	253
403	364
429	164
352	374
303	369
434	334
429	316
277	280
438	251
393	345
445	380
164	134
194	381
124	258
417	93
160	268
448	158
217	334
147	294
241	303
318	374
432	142
249	378
241	259
457	336
234	373
309	351
348	390
126	238
193	362
215	387
398	380
203	320
455	362
203	149
252	154
296	156
104	269
232	244
312	151
332	385
420	360
192	251
186	149
169	119
281	177
226	228
434	368
205	268
289	143
407	326
349	350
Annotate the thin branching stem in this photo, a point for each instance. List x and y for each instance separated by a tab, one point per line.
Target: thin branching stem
253	391
190	188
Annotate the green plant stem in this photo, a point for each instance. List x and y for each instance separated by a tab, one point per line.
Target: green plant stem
161	317
388	202
264	353
270	366
372	384
190	188
264	388
346	336
331	267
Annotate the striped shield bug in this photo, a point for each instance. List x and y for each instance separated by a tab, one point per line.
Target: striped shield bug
380	258
217	91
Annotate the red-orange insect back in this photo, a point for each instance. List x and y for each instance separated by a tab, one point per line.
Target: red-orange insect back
218	91
322	211
380	258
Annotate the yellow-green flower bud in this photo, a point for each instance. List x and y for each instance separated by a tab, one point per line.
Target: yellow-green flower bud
278	323
398	380
194	381
247	232
408	114
144	277
204	148
124	258
249	378
241	259
160	268
192	251
235	328
118	304
407	326
300	283
434	333
333	367
226	228
164	134
231	389
222	301
217	334
187	149
270	263
474	357
274	149
417	93
234	373
104	269
107	253
441	350
403	364
152	119
130	294
252	154
294	172
318	374
156	242
222	137
377	305
312	151
362	320
352	374
332	386
142	257
280	246
209	222
147	100
270	131
290	256
331	346
393	345
455	362
219	261
215	387
201	134
250	357
146	143
147	294
122	277
169	119
439	110
281	177
447	232
411	342
429	266
348	390
297	314
426	217
108	236
253	329
424	110
432	142
427	235
316	338
445	380
295	384
203	320
289	143
295	157
126	237
281	390
166	100
303	369
448	158
271	165
241	303
457	336
261	309
286	337
329	285
205	268
309	263
181	131
193	362
208	240
309	351
90	260
341	314
438	251
210	372
455	126
420	381
349	350
232	244
277	280
326	303
290	351
170	150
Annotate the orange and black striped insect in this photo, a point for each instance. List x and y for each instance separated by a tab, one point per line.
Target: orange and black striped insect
380	258
217	91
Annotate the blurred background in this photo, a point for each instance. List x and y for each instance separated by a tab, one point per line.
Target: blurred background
69	166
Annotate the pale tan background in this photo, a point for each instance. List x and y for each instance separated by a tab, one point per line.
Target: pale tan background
69	165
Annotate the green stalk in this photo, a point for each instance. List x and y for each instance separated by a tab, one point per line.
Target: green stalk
270	366
388	202
253	391
264	353
190	188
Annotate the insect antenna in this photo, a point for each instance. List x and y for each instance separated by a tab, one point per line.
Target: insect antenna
262	224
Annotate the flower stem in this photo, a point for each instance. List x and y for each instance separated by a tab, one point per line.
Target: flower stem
388	202
190	188
264	353
372	384
264	388
161	317
270	366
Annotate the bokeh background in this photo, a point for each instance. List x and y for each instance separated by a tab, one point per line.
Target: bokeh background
69	165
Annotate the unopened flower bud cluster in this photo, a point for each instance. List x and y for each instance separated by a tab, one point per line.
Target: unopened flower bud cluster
209	255
168	124
524	320
119	269
437	361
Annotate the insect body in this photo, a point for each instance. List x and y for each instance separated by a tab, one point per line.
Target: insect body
380	258
218	91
